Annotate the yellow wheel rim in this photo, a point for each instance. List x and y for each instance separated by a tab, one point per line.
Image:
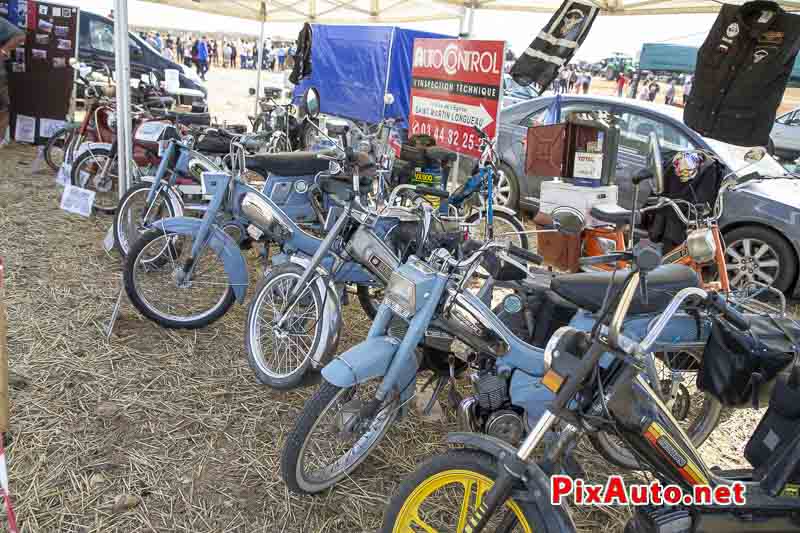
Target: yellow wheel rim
474	485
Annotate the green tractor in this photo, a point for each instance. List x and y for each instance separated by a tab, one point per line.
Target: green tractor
616	65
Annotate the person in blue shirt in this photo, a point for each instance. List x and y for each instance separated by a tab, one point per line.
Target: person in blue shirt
202	58
281	57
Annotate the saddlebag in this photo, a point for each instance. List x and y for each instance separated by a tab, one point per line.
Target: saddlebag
739	367
774	448
214	142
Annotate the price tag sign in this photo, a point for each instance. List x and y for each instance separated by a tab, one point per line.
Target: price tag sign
456	86
150	131
77	200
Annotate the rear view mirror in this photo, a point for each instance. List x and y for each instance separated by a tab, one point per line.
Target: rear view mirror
657	164
252	91
568	220
311	102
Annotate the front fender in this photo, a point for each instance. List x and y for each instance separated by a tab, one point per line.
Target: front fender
226	248
556	519
364	361
331	317
502	209
174	195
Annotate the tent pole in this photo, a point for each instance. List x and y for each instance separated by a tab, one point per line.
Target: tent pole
260	56
123	68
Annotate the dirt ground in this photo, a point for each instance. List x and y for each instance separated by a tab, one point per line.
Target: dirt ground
155	430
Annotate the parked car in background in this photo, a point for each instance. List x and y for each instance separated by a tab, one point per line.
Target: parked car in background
514	93
96	48
785	135
760	219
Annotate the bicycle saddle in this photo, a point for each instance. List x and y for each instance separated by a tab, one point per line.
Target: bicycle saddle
614	214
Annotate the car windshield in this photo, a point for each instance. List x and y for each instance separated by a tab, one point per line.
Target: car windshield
734	158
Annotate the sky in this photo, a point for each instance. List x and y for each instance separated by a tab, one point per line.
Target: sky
608	35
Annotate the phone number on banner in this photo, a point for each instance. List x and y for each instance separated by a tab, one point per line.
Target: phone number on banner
447	136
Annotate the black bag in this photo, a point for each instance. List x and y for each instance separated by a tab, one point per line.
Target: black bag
736	364
214	142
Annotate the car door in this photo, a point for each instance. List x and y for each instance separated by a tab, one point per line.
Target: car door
786	134
635	127
537	118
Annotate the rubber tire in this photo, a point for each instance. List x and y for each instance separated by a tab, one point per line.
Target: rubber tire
118	212
513	221
312	410
787	258
67	132
458	459
133	295
75	177
513	199
295	379
366	302
713	411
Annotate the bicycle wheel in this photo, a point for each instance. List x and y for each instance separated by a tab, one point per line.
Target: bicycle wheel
697	412
442	494
157	286
332	438
97	170
506	228
280	356
134	215
56	148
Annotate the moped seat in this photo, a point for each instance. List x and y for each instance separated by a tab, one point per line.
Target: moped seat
159	101
587	290
440	155
189	119
613	214
288	163
339	128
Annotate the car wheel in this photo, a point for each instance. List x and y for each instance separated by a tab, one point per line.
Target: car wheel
758	254
506	189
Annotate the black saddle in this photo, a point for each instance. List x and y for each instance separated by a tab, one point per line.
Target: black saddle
613	214
587	290
189	119
440	155
337	128
159	101
288	163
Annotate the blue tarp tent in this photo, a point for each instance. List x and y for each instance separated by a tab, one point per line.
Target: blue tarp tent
677	58
354	66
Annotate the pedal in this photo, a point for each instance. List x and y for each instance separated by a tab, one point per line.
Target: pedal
659	519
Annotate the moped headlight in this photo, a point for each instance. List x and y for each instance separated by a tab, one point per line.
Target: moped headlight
701	245
401	296
263	215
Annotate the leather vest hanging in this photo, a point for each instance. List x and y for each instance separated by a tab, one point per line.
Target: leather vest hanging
741	73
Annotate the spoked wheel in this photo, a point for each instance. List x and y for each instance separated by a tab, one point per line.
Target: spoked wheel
697	412
158	286
280	355
134	215
445	491
97	170
56	148
332	437
507	228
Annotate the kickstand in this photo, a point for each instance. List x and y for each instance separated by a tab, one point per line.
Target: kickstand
440	383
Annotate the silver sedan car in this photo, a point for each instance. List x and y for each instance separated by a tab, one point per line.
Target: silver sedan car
761	223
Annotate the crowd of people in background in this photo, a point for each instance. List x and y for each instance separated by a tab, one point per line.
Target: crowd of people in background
574	80
203	53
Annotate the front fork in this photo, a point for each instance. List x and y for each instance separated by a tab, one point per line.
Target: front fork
302	285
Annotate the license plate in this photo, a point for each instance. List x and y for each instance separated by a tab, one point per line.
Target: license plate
254	232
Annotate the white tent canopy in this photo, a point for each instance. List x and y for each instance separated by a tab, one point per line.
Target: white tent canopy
398	11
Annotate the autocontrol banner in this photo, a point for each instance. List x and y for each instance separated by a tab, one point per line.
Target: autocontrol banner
456	86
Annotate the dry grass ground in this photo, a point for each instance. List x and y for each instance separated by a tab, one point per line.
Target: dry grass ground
155	430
